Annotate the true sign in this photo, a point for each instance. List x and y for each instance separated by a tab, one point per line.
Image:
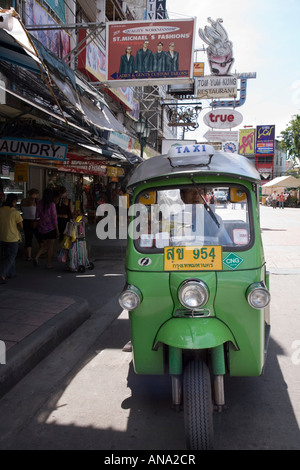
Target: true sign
223	118
33	148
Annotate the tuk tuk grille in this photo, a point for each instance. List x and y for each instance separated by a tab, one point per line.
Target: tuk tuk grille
184	313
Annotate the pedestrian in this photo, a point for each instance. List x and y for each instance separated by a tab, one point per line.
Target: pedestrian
64	210
10	224
30	224
274	200
48	228
281	200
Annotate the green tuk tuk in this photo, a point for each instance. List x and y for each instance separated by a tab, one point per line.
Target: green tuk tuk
197	288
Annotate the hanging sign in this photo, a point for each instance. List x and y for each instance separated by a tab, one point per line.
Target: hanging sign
223	118
217	86
33	148
21	172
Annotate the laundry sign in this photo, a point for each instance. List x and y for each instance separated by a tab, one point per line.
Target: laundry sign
33	148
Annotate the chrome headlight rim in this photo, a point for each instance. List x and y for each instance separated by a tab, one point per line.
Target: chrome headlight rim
258	289
200	287
130	298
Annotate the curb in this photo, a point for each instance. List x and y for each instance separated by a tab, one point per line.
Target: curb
31	350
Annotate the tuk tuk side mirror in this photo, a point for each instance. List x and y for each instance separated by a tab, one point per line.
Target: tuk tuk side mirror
237	195
148	198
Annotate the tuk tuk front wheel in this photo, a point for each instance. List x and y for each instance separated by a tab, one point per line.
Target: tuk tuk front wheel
198	406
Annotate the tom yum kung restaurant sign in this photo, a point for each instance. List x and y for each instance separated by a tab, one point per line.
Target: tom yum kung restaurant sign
33	148
157	52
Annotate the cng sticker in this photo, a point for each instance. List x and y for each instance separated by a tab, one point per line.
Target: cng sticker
233	260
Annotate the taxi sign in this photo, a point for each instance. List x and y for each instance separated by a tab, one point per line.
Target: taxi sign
195	154
193	258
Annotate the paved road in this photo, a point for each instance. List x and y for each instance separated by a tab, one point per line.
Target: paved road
86	396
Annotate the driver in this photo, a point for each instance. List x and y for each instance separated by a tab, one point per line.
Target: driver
205	222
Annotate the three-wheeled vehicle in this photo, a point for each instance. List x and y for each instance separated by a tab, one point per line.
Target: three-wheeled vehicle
197	289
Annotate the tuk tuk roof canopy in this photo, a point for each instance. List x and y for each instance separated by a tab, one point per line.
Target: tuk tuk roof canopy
166	166
283	182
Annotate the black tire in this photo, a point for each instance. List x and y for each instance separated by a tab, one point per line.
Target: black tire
91	266
81	269
198	406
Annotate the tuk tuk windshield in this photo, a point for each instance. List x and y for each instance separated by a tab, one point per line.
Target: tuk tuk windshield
195	215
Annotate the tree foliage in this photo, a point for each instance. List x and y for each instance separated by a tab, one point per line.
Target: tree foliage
291	139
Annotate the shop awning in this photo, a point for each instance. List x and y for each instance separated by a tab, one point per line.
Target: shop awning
283	182
18	47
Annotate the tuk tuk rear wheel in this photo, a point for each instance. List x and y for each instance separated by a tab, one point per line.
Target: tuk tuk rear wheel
198	406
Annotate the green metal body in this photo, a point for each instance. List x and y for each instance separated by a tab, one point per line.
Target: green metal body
233	329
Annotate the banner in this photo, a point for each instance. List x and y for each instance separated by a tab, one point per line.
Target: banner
247	141
265	137
156	10
81	165
158	52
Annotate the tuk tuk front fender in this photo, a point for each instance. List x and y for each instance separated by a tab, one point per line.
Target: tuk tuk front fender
194	333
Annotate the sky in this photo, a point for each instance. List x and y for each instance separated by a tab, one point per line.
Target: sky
265	36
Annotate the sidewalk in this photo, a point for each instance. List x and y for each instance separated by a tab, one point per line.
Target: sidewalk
41	307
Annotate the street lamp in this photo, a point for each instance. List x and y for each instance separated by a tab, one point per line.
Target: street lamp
143	131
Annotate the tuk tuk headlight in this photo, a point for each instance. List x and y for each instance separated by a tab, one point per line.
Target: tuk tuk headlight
193	294
258	296
130	298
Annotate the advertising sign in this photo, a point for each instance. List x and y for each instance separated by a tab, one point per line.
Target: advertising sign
223	118
91	58
21	172
212	86
230	147
33	148
219	50
198	69
247	141
265	137
79	164
57	40
156	10
154	53
221	136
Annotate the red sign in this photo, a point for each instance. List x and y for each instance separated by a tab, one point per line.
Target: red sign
160	52
84	166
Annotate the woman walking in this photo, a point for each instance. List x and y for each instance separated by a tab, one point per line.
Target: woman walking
28	207
48	229
10	224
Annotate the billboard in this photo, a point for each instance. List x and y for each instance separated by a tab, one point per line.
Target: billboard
247	141
155	53
265	137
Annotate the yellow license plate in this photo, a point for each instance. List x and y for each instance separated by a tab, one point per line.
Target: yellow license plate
193	258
